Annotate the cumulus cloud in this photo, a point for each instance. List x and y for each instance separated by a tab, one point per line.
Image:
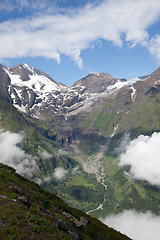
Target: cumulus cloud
59	173
142	154
50	34
138	226
12	155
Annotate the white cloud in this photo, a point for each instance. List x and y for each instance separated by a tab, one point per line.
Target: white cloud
38	181
142	154
70	32
154	47
75	170
47	179
62	153
20	5
12	155
60	173
125	140
44	154
138	226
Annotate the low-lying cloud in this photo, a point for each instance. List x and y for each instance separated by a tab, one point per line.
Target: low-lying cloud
62	153
142	154
125	140
11	154
59	173
138	226
75	170
45	155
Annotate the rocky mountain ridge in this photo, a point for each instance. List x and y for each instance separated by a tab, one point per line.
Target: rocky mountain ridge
34	92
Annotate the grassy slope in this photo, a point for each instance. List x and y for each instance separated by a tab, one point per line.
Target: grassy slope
35	221
139	117
79	190
38	137
82	190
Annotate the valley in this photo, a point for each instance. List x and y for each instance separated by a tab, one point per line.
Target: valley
76	135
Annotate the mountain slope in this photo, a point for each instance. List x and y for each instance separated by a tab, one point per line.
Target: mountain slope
74	132
29	212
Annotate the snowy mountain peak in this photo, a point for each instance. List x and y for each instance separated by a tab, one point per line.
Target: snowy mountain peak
28	67
96	82
29	87
22	70
34	92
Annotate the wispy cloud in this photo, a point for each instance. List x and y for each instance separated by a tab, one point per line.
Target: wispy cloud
14	156
125	140
154	47
24	5
44	154
75	170
138	226
51	34
58	174
142	154
61	152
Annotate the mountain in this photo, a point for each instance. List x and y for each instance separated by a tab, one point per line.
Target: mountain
29	212
32	91
75	134
96	82
38	95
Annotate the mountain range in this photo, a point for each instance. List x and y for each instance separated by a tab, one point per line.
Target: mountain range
35	93
76	135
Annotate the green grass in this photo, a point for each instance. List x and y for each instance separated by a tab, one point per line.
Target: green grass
10	118
23	222
110	165
79	190
138	117
79	179
104	122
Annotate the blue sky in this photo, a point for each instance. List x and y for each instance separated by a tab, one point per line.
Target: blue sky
68	39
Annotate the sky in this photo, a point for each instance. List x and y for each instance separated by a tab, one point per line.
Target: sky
69	39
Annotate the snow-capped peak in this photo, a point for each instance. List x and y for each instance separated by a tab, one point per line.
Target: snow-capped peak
28	67
36	93
35	82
